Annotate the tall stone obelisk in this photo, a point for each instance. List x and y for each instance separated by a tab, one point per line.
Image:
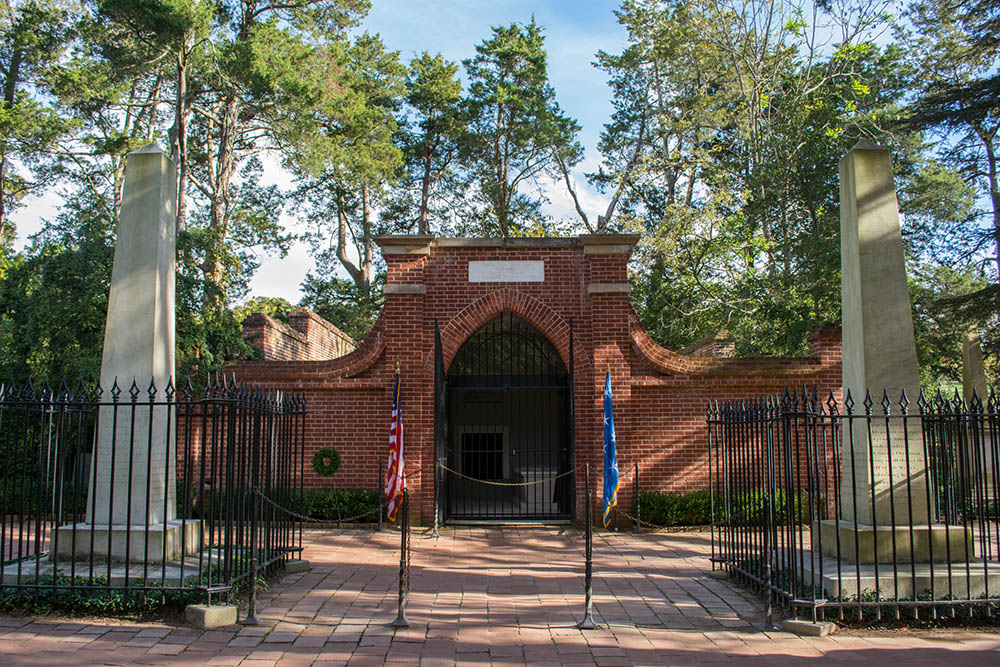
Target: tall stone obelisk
879	347
886	504
131	503
973	369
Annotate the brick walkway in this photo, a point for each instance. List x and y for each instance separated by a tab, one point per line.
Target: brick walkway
490	596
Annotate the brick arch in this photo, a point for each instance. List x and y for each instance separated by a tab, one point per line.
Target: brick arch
468	320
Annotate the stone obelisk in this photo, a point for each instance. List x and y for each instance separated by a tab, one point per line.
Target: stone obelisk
131	501
973	369
886	504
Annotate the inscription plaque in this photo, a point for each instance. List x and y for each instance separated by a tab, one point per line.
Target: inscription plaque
507	272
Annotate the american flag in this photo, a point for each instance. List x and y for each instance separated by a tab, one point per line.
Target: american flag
396	482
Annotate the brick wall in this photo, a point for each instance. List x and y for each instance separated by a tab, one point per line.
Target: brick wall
660	396
307	337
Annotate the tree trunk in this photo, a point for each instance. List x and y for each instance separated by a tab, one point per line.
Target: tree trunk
224	168
352	269
182	115
425	194
991	165
9	92
365	253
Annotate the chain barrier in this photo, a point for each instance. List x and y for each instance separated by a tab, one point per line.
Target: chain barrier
490	482
307	519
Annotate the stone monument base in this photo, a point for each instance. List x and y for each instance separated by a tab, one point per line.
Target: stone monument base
968	580
899	544
180	538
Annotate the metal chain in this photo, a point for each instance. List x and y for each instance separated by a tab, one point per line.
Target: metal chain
635	519
305	518
493	483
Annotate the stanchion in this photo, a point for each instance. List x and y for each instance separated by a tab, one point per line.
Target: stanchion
404	544
381	508
588	619
768	597
635	499
251	618
437	513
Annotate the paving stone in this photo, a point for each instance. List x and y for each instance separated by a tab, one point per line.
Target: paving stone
489	596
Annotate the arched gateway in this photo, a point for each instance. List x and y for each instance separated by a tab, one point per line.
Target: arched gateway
503	346
506	446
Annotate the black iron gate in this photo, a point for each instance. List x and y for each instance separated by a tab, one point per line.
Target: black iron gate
503	426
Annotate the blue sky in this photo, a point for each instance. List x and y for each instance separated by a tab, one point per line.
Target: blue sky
574	32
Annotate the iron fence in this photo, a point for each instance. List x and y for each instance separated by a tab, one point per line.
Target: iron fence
865	509
146	489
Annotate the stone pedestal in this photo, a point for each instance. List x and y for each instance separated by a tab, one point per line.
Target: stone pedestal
140	543
924	543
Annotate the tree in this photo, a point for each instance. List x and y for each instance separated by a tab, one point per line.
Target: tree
957	103
722	150
63	278
340	302
516	131
353	157
430	140
34	34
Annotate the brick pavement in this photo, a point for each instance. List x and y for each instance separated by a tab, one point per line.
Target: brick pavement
489	596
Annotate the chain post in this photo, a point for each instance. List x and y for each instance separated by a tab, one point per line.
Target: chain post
768	597
437	512
588	583
381	510
635	497
251	618
404	545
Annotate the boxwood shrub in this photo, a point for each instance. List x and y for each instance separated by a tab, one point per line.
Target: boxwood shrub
695	508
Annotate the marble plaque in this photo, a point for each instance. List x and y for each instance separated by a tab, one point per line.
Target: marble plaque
507	272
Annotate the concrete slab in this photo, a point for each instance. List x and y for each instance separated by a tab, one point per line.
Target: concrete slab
806	628
205	617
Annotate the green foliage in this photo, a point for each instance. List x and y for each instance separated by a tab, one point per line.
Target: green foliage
326	462
430	188
63	279
335	504
33	36
26	493
55	596
695	508
676	509
516	131
274	307
341	303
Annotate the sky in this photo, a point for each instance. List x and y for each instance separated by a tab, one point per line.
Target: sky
574	32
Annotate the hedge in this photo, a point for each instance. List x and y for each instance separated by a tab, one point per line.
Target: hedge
695	508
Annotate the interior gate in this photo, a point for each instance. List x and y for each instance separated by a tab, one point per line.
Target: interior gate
503	426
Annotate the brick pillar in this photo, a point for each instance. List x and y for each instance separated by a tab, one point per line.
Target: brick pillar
409	341
607	290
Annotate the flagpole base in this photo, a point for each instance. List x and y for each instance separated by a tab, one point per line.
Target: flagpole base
587	623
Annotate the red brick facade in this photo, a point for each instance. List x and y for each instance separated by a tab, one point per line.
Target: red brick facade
660	396
307	337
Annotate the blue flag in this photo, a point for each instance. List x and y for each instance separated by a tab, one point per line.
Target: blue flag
610	454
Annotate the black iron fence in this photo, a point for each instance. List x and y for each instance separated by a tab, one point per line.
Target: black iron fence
866	508
145	488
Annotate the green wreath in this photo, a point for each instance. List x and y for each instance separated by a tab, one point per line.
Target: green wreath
326	461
